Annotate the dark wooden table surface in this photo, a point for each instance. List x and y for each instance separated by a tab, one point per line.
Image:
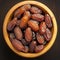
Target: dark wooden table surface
7	54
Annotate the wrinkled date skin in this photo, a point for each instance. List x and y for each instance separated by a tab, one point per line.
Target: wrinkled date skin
21	10
39	48
35	10
34	25
42	27
32	46
17	45
28	34
11	24
48	21
38	17
24	19
40	38
48	34
18	33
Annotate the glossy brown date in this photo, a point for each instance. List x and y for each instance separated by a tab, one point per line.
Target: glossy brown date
24	19
35	10
18	33
48	21
37	17
40	38
17	45
28	34
11	24
42	27
32	46
48	34
34	25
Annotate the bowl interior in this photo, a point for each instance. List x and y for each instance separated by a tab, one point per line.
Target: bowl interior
8	18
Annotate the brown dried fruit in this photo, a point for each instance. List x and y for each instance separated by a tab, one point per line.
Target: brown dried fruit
34	25
32	46
35	10
21	10
18	33
38	17
40	38
48	34
42	27
39	48
17	45
26	49
48	21
24	19
28	34
11	24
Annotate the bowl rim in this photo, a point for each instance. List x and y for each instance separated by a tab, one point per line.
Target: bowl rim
5	34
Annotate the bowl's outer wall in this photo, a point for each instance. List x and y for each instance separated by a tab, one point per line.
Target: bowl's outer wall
4	12
7	18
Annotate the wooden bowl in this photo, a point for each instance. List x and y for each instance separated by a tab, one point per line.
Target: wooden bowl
54	29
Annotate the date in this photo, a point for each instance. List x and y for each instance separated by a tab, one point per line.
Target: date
37	17
28	34
34	25
40	38
18	33
35	10
32	46
48	34
42	27
48	21
11	24
17	45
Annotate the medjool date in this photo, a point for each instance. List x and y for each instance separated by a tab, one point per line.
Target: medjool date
11	24
17	45
48	34
24	19
48	21
42	27
18	33
32	46
28	34
35	10
38	17
34	25
40	38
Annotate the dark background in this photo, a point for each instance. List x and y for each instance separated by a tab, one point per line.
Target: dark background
7	54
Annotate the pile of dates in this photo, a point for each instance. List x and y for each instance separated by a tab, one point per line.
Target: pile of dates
29	29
